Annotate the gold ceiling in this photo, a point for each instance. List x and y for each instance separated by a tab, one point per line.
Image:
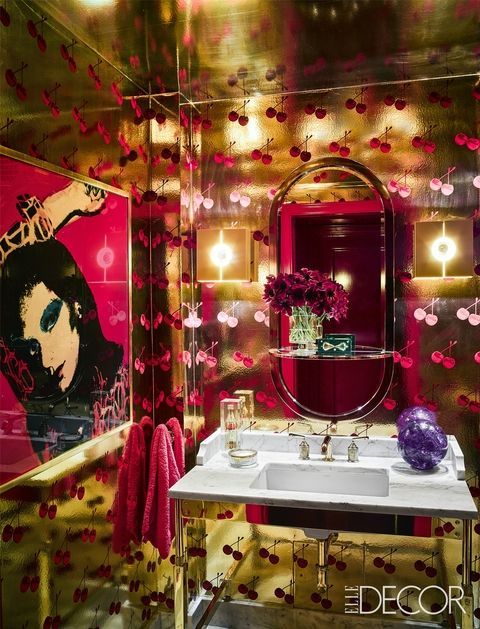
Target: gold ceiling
223	48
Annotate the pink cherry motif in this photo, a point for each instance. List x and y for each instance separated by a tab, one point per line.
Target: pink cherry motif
447	189
259	316
435	184
463	314
208	203
461	139
271	193
392	185
404	191
449	362
476	357
437	357
211	361
474	319
389	403
419	314
406	362
431	319
429	146
232	322
476	181
397	357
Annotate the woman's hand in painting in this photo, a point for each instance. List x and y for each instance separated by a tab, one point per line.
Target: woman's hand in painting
77	199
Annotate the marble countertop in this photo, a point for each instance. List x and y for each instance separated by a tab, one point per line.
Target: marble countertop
438	493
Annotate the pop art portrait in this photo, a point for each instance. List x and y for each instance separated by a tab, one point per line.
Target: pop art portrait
64	313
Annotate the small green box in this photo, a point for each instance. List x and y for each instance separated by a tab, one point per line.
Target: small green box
336	345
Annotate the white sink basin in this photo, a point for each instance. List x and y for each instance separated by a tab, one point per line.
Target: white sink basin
323	478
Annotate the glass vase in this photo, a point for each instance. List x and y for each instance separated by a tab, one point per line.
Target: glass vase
305	328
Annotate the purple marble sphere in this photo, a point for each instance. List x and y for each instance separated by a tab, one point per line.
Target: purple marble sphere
422	444
414	413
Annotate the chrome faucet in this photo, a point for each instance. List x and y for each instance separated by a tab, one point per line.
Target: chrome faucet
352	450
304	450
326	447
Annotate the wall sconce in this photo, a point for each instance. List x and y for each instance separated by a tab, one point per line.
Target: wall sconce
443	249
225	255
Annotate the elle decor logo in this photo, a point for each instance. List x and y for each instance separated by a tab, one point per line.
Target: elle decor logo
409	600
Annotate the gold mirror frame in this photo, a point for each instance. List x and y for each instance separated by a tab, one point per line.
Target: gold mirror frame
381	194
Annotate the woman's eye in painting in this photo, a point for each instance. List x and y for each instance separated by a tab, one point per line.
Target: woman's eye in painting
50	315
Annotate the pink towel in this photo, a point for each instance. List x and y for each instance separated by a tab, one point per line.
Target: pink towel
129	501
147	426
158	520
178	444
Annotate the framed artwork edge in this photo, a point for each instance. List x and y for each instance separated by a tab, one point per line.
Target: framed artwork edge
95	441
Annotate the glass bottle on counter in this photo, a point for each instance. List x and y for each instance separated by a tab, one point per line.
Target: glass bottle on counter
247	410
230	422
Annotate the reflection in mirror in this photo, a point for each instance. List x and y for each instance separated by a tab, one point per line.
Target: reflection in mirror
338	221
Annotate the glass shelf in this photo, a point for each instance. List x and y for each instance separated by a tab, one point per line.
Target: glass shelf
362	352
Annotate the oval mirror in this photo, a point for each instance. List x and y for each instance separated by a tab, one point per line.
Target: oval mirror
335	216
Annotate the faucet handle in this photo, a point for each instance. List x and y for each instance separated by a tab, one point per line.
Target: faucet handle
304	450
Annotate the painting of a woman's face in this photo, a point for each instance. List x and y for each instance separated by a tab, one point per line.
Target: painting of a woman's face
47	319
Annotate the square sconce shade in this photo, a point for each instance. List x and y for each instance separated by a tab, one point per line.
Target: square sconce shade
444	249
224	255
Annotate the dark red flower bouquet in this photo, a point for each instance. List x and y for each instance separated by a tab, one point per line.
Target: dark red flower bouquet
316	291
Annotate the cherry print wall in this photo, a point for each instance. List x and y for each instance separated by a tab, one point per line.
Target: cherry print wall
424	142
72	108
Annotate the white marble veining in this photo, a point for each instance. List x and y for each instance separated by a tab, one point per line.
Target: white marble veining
437	493
381	447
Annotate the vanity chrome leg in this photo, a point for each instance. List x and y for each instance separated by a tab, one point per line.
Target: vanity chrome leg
212	606
181	566
467	557
467	601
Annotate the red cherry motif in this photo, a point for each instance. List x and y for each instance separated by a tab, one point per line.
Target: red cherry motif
24	584
17	534
34	583
7	533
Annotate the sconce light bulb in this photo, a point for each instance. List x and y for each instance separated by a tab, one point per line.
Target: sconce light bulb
221	254
443	249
